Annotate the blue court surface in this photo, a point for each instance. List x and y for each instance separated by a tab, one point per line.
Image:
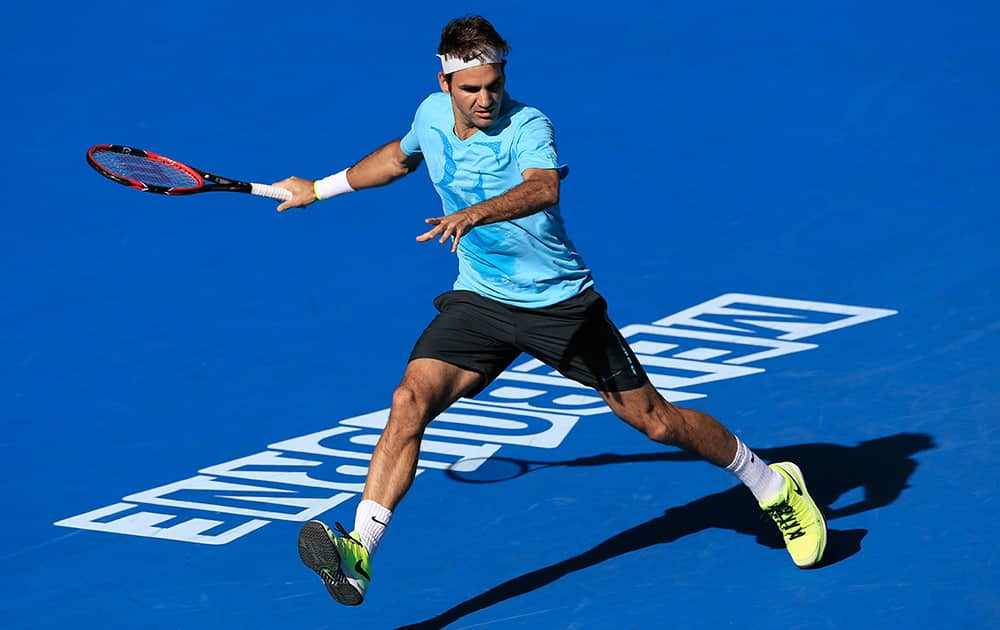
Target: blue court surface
792	210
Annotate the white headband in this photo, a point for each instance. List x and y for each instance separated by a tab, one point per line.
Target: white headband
451	64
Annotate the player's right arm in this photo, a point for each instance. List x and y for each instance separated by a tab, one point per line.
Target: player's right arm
382	166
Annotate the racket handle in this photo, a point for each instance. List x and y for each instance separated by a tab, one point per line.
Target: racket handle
271	192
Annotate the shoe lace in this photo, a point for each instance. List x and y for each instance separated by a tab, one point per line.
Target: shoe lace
784	516
345	534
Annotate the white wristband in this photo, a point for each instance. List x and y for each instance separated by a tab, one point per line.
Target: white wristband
332	186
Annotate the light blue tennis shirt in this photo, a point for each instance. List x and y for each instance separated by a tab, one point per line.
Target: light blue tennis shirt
528	262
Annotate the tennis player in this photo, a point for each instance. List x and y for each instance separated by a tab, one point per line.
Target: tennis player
522	287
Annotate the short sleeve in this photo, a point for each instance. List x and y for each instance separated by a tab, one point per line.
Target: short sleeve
409	143
535	146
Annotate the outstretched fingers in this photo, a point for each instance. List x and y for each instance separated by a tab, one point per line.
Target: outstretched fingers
434	231
453	226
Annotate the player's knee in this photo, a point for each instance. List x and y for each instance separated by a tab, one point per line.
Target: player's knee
409	410
658	422
661	432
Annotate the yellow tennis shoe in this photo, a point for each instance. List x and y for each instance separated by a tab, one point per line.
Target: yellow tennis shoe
797	516
341	561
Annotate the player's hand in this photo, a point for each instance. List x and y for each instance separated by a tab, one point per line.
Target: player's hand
454	225
302	191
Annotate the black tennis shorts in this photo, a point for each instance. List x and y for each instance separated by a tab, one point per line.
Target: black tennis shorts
574	336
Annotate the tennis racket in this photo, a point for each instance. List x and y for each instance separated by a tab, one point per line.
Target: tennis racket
150	172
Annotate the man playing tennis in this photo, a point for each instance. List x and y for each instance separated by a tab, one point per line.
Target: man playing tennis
521	287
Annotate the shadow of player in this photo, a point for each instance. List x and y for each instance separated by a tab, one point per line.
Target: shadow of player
880	467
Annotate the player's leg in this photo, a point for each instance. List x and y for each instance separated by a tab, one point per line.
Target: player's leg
579	339
696	432
343	559
779	488
646	410
429	386
459	353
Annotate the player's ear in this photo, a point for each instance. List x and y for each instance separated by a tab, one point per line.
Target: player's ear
443	81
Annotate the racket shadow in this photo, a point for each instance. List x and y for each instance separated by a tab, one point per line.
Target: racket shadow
500	469
881	467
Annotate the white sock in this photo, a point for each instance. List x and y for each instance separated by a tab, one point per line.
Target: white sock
370	522
765	483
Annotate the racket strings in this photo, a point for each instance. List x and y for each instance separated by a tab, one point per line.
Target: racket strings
145	170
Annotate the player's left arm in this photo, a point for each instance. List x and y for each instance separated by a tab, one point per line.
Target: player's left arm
538	191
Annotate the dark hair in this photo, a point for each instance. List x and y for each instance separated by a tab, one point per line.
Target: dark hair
466	37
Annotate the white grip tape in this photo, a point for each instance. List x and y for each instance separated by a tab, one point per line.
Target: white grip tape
271	192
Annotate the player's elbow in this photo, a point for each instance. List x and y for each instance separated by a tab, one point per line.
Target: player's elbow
549	194
544	184
398	163
399	170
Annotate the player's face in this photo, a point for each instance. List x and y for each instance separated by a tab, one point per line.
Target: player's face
476	96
